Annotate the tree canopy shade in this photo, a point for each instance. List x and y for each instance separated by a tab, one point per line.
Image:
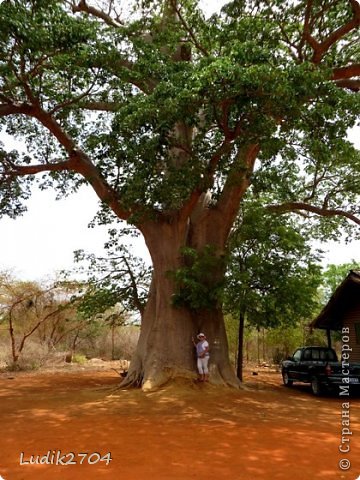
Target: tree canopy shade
170	116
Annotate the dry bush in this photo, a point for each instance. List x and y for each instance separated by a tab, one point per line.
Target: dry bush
4	352
125	341
128	338
33	357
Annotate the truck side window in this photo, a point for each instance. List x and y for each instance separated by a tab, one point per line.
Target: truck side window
326	354
307	354
315	354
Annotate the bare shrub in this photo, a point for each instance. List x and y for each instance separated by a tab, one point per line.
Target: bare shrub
125	341
4	353
128	338
33	357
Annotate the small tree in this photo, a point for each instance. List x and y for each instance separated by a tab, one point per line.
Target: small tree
333	275
27	308
272	277
120	278
117	286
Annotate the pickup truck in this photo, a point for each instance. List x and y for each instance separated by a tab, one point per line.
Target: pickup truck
320	367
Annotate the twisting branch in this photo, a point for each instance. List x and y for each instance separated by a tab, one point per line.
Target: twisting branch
14	170
13	108
299	207
82	6
320	49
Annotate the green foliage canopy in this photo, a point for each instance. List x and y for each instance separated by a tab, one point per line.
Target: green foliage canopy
272	276
334	275
155	104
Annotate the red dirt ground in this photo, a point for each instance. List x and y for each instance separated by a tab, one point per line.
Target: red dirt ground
264	431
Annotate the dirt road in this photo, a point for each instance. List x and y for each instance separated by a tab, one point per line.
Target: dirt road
262	432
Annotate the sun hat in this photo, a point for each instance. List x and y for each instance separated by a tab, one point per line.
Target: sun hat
201	335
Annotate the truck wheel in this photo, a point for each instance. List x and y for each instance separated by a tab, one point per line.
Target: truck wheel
316	386
286	380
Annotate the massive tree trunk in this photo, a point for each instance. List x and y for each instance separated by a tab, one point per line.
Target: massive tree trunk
165	350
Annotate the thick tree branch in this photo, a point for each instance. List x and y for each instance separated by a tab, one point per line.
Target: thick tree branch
206	182
78	161
81	163
238	181
190	204
350	71
347	77
12	169
349	84
298	207
320	49
233	191
13	108
214	224
82	6
49	122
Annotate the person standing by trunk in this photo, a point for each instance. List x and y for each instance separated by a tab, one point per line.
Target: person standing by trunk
203	355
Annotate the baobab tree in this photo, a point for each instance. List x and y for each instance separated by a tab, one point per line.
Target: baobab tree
171	116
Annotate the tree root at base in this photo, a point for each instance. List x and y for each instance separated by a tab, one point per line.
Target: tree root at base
182	378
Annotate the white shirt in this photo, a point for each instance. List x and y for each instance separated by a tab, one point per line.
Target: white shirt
201	347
